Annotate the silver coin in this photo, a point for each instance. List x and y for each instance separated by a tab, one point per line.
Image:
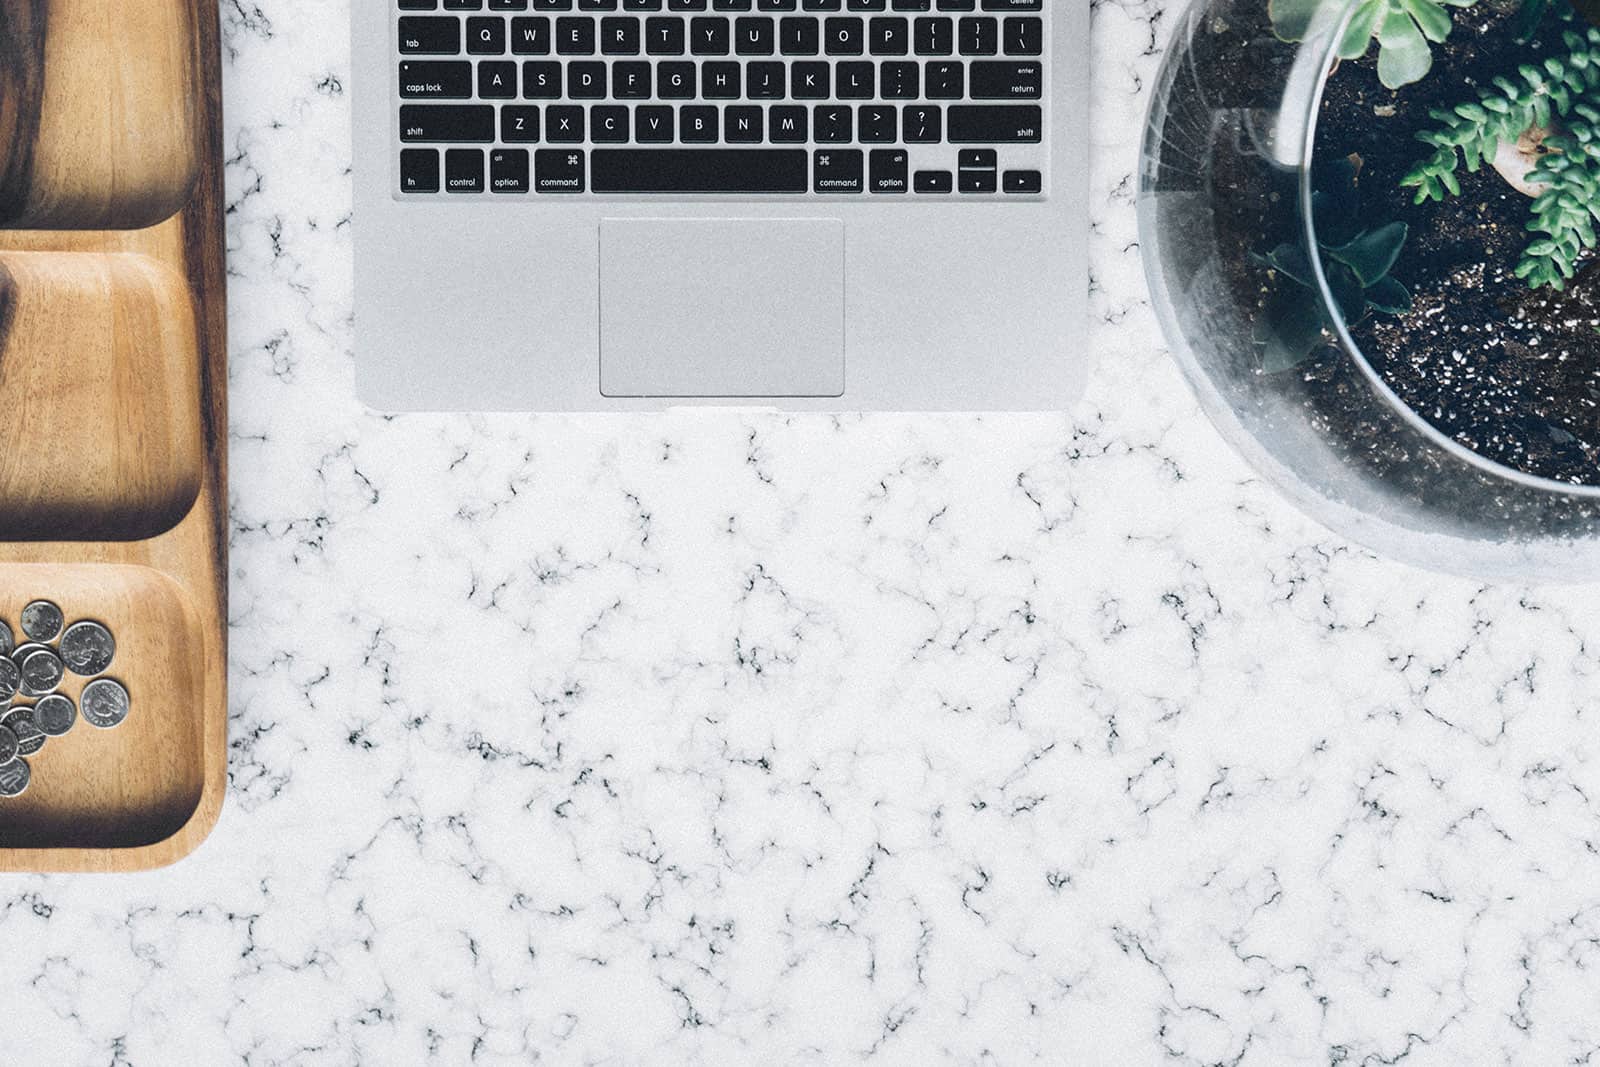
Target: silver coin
10	679
104	703
22	651
88	648
8	640
8	745
55	714
30	739
42	670
14	778
41	621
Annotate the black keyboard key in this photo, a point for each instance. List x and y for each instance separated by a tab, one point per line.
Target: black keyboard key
855	81
979	36
924	124
901	80
889	36
935	37
497	80
844	37
1013	5
675	81
421	35
878	124
765	81
654	125
1023	181
463	170
743	125
619	37
508	5
839	170
508	171
755	36
720	81
890	171
436	80
608	124
575	36
833	123
945	80
800	37
586	80
996	124
530	37
419	5
664	36
1024	37
978	170
541	80
419	170
710	36
698	124
810	81
486	37
699	170
563	124
519	124
789	124
933	181
558	170
1023	80
446	123
630	81
463	5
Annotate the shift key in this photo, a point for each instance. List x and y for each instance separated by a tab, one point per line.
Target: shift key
447	124
996	124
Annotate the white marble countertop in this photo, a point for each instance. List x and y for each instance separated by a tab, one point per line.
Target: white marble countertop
739	739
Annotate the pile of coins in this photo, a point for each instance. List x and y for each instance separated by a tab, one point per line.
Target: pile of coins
34	670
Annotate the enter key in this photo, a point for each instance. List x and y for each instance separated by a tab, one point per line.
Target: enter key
1009	80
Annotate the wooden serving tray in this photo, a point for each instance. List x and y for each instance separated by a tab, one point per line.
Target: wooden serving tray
113	411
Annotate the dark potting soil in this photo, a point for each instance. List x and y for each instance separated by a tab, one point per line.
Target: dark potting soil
1509	372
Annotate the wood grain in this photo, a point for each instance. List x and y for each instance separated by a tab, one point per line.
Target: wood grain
100	380
147	793
99	119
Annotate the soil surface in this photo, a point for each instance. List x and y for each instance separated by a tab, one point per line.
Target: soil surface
1509	372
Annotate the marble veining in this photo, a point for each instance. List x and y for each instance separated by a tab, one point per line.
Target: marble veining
737	739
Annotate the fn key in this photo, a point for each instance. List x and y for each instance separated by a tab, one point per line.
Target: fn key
419	170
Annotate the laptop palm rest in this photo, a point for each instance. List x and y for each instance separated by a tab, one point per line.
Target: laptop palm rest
722	307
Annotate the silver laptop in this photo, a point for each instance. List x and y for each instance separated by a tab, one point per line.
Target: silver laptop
804	204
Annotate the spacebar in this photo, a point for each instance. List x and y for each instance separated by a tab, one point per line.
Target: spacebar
698	170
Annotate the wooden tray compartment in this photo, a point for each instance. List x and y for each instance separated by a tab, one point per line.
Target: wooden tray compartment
113	387
139	783
100	383
102	119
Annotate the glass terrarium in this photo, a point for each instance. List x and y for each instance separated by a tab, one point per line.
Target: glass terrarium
1382	285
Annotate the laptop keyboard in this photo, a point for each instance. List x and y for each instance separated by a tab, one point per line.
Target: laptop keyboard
827	98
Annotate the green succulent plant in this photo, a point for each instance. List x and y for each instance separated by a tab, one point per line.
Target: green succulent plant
1560	94
1356	260
1405	30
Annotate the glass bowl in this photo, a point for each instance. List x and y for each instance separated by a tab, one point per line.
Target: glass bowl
1227	161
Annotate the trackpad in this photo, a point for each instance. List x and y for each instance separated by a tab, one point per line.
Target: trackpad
722	307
